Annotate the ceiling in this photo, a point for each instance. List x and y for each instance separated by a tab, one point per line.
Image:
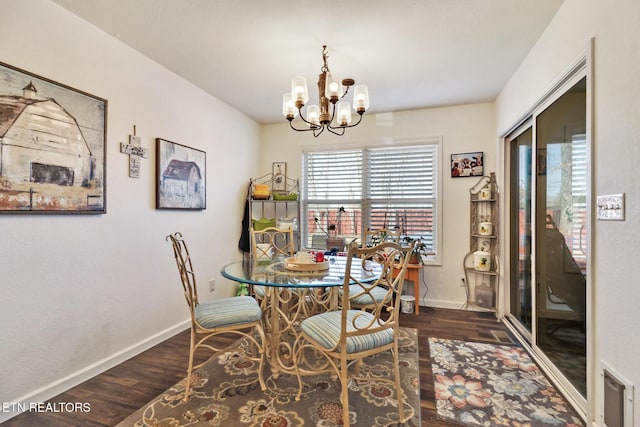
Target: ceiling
410	53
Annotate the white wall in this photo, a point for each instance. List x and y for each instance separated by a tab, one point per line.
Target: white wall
79	289
462	129
616	153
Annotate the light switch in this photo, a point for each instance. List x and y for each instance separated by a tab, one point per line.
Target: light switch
611	207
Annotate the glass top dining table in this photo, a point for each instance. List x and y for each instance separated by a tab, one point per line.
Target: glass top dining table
287	297
273	273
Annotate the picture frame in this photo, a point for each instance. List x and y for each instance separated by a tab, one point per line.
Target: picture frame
467	164
610	207
52	147
181	176
279	174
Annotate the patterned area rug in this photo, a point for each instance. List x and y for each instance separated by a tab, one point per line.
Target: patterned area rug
494	385
227	393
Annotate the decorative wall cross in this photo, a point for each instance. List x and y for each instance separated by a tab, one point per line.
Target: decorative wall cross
136	152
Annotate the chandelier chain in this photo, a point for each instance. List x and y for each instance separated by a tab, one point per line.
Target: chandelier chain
325	55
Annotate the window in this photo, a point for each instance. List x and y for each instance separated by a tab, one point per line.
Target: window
344	192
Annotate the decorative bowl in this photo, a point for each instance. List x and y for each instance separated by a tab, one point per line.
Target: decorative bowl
295	265
289	196
262	223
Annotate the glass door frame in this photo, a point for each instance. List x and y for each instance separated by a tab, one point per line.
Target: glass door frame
582	68
508	205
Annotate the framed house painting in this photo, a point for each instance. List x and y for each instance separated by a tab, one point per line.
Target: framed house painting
52	146
180	176
467	164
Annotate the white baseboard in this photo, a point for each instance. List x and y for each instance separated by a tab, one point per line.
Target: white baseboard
61	385
454	305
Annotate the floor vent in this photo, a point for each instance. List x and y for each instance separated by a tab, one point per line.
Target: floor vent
502	337
617	408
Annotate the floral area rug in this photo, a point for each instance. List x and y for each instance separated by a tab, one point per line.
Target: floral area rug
480	384
227	393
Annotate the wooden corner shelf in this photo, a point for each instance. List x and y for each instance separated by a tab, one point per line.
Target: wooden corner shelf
482	285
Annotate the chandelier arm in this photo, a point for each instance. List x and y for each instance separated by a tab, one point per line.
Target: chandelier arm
298	130
346	91
312	125
347	126
331	129
332	114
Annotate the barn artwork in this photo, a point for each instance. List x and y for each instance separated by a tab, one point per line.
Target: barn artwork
52	146
181	176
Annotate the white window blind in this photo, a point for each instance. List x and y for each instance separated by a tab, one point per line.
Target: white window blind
347	191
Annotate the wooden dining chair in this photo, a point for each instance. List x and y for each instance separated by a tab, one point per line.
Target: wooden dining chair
271	241
267	243
349	334
378	295
240	316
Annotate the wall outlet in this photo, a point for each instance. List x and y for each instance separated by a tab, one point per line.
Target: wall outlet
463	281
212	285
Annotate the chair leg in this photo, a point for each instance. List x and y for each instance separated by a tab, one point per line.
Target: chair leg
344	380
399	392
187	387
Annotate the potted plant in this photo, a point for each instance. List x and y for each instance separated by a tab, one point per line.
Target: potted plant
420	250
334	230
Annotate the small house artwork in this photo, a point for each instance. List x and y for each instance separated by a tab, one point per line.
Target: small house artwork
181	176
181	180
47	163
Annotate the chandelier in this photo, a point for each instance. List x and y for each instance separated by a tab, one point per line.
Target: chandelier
331	113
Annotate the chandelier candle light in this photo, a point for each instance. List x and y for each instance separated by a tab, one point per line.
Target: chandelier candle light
320	117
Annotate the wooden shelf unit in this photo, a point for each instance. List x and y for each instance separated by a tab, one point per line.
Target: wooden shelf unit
483	284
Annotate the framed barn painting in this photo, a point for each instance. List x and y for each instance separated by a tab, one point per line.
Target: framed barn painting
181	176
52	146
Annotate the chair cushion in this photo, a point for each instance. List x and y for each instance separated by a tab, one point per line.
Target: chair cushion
325	330
378	294
259	290
228	311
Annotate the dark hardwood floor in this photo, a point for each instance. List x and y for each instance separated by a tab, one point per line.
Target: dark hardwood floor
120	391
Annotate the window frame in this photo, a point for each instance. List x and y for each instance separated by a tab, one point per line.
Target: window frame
364	201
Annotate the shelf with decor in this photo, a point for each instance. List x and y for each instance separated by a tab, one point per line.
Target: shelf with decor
274	203
481	265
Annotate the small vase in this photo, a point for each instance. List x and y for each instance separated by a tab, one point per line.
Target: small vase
415	259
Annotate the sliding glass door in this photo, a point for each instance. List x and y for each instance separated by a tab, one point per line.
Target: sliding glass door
561	243
548	243
520	233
